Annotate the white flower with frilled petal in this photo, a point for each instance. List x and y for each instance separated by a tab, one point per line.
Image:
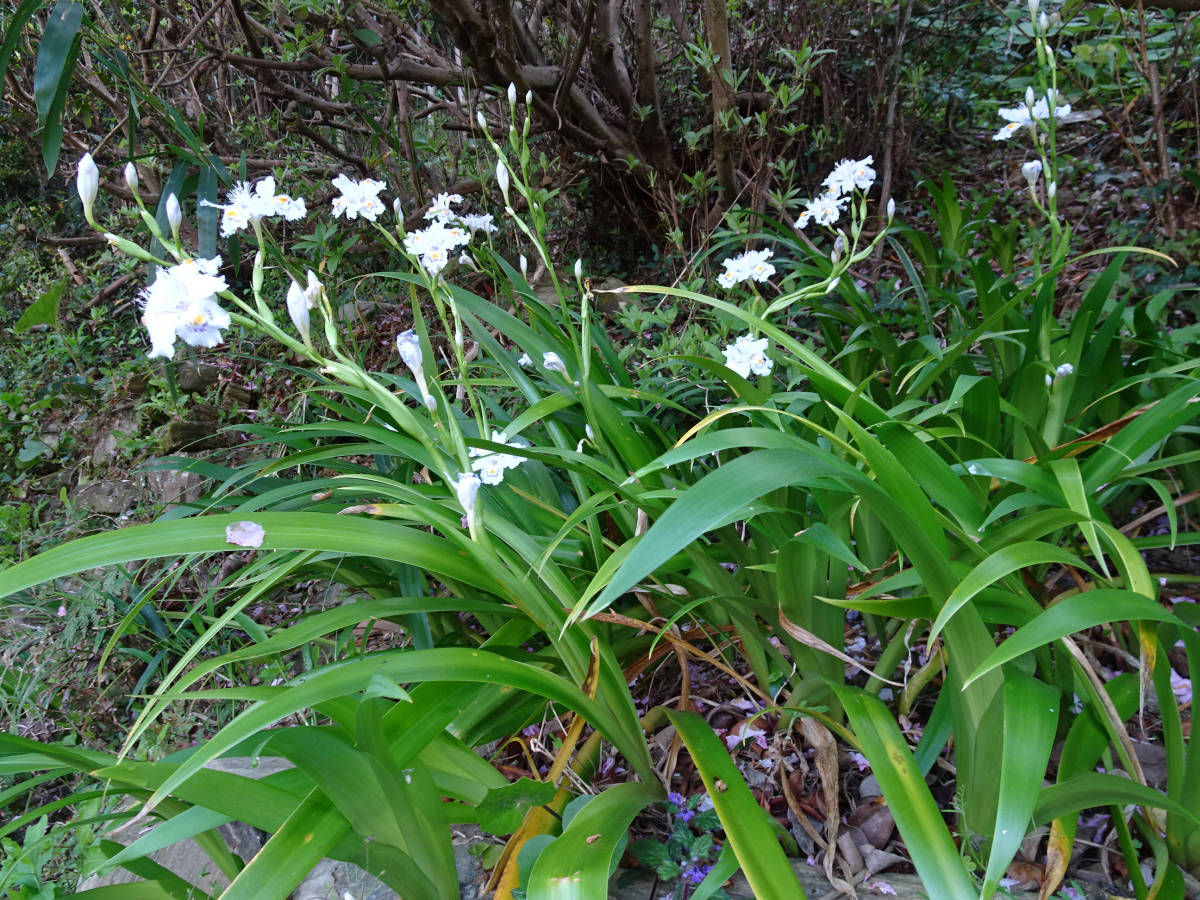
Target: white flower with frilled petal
245	205
358	198
1025	115
440	208
824	210
181	302
851	174
751	265
747	355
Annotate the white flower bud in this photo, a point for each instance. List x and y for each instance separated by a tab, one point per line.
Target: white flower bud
312	293
481	119
578	269
524	361
552	362
297	307
529	98
587	429
1029	97
409	346
1043	23
502	178
398	210
839	246
131	176
467	490
1064	370
174	213
1033	8
1052	190
891	208
1032	170
458	338
512	94
87	181
524	267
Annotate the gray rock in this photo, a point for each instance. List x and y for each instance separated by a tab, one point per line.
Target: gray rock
195	377
171	486
108	497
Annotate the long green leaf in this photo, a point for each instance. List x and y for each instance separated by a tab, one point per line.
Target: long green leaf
1091	789
1076	613
291	853
1003	562
577	865
448	664
1030	718
282	531
745	823
711	502
908	797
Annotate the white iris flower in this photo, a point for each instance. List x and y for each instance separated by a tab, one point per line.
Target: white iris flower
245	205
181	302
358	198
850	175
751	265
1025	115
746	355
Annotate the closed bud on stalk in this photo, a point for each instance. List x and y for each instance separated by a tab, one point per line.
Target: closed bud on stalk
1032	170
87	182
1052	190
578	269
398	210
891	208
552	362
1033	8
529	98
128	247
297	307
479	117
256	274
502	178
839	245
1043	23
524	267
458	338
466	488
174	213
512	94
1029	97
131	177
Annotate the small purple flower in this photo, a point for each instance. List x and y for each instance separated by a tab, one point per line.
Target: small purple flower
677	798
697	873
685	815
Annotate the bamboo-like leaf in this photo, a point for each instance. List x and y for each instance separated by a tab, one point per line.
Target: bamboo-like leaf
751	835
12	36
578	863
52	75
908	797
